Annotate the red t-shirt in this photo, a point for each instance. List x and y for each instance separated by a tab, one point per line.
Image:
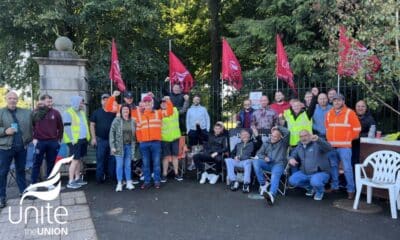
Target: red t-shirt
280	108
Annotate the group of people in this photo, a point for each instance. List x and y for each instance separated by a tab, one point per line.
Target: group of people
309	138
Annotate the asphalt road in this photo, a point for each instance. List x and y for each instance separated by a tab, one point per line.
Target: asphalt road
188	210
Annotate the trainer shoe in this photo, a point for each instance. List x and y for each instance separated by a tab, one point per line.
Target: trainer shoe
3	203
263	189
119	187
246	188
234	186
145	186
73	185
269	197
178	178
213	178
157	185
191	167
318	196
310	192
80	182
129	185
163	179
203	178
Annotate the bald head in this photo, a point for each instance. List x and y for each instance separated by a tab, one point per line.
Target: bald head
12	100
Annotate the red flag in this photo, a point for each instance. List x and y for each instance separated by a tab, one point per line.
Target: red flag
351	56
283	70
231	70
178	74
115	73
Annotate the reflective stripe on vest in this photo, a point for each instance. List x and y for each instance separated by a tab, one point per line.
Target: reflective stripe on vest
302	122
170	127
76	126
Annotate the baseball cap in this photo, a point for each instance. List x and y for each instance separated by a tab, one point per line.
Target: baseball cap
147	98
105	95
338	96
128	94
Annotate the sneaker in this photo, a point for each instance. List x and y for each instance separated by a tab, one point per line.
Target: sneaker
246	188
142	178
157	185
80	182
119	187
310	192
204	177
234	186
213	179
191	167
73	185
178	178
163	179
51	187
263	189
350	195
269	197
135	181
129	185
145	186
318	196
3	203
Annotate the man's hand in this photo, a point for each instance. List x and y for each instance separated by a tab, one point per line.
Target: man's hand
315	91
255	131
166	98
236	158
293	162
151	94
314	138
34	141
94	142
186	97
10	131
267	159
214	154
113	150
116	93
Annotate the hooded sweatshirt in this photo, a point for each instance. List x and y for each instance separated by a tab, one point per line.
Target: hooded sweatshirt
67	119
197	113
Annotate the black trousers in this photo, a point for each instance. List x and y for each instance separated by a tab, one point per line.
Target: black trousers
201	158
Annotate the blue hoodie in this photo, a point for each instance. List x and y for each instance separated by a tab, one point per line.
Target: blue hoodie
197	114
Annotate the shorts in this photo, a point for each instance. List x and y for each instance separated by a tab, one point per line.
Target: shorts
79	150
170	148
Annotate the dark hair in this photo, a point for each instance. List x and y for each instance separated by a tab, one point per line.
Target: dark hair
45	96
123	106
196	95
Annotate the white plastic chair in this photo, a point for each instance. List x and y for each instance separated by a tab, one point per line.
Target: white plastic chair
386	175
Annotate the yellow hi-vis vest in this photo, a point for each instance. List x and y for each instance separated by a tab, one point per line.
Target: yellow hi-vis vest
170	127
75	126
302	122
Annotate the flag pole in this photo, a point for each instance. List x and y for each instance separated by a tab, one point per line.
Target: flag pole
277	84
169	49
111	82
338	83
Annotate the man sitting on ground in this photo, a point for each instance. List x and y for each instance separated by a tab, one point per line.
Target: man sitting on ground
311	155
241	158
215	147
272	157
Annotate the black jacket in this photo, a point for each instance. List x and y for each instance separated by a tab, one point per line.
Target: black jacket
243	150
216	143
366	121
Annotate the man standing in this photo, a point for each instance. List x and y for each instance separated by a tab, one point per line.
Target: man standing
197	123
264	118
100	124
280	105
76	135
244	116
15	134
47	134
342	127
181	102
311	155
321	109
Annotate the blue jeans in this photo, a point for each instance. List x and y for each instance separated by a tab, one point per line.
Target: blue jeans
230	167
275	168
151	152
104	161
6	157
316	181
343	154
50	149
124	163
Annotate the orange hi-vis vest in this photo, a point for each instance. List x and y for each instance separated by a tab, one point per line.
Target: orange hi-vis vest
149	122
342	127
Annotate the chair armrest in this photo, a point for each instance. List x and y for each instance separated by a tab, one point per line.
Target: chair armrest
359	171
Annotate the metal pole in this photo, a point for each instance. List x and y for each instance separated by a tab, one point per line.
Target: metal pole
170	49
338	83
277	84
